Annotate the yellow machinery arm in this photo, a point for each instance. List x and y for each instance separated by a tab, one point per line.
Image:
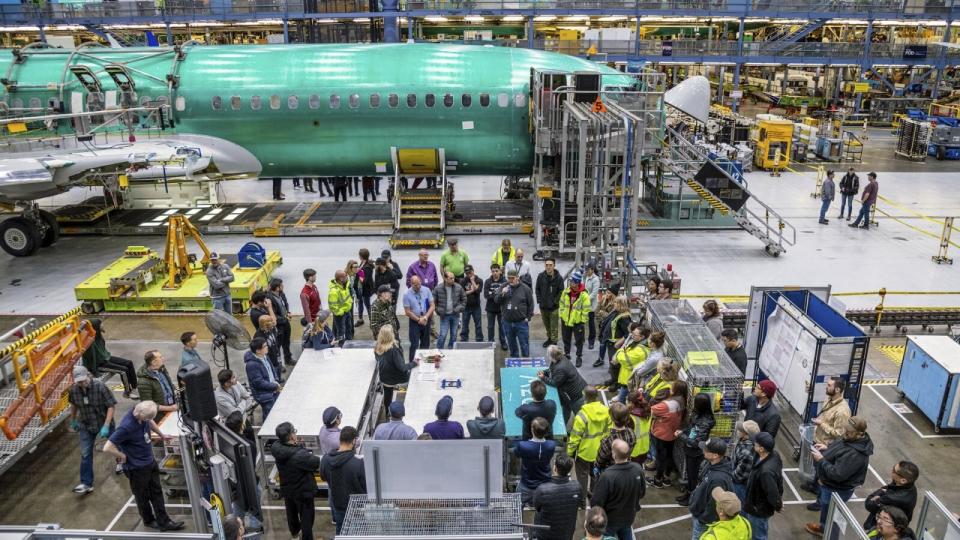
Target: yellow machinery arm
179	265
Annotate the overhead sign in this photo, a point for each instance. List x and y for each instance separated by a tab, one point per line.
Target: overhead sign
861	87
736	94
914	52
666	48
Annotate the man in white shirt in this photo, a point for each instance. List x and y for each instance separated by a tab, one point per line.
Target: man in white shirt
521	266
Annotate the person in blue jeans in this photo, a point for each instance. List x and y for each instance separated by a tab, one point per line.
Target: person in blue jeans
867	200
91	415
827	193
418	306
516	306
473	288
849	187
841	467
449	300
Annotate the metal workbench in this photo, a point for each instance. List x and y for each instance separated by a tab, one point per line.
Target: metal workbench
343	378
474	369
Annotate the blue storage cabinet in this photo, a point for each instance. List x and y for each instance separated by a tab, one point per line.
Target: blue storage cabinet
929	379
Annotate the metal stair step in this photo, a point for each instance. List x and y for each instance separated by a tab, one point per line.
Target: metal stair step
420	226
431	207
419	217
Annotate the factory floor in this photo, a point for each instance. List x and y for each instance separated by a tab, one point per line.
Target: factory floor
895	255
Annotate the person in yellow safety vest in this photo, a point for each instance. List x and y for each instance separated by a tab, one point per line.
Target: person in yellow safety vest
340	302
631	355
505	254
574	314
640	411
616	332
731	525
590	426
658	389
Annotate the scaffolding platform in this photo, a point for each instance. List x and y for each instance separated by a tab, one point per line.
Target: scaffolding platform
321	218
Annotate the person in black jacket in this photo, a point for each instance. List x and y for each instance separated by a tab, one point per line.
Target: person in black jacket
296	466
557	501
568	381
733	346
764	494
393	370
901	492
281	309
548	289
841	467
384	275
540	407
849	187
490	289
760	408
718	472
487	425
343	472
697	432
618	492
363	285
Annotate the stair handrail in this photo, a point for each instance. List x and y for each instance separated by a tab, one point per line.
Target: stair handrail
396	196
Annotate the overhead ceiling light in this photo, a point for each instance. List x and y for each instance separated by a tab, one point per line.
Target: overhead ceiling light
545	18
325	21
435	19
613	18
474	18
361	20
576	18
513	18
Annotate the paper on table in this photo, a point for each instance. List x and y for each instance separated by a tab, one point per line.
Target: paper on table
702	358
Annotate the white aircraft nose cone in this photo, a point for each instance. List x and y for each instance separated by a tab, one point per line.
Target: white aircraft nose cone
692	96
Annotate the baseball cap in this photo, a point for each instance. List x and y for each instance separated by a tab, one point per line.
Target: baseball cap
468	268
383	289
768	387
614	288
380	260
765	440
214	256
727	501
80	374
385	253
486	405
714	446
397	409
330	415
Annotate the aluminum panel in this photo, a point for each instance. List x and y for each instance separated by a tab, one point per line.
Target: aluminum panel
474	369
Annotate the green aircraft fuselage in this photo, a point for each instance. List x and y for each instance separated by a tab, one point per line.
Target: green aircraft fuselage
325	110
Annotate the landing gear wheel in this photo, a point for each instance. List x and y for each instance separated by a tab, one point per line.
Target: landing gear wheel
52	234
19	237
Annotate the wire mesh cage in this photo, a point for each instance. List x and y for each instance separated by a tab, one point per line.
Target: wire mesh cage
423	518
665	313
708	369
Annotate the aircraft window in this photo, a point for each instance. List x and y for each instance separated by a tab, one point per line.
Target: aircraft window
144	101
503	100
17	103
354	101
411	100
235	103
35	103
484	100
393	100
217	103
448	100
314	101
181	103
293	102
519	100
274	102
334	101
429	100
374	101
466	100
255	103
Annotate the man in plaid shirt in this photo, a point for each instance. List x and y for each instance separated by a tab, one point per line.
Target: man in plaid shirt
91	415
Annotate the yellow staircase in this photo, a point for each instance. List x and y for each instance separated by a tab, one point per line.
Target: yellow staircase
707	196
419	214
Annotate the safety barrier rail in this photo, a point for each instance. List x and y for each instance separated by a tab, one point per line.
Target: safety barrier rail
41	364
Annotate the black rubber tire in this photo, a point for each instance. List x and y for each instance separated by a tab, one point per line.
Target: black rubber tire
52	233
19	237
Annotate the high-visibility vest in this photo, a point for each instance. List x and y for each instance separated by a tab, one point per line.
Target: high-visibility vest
629	357
339	298
641	428
579	312
590	426
498	257
613	326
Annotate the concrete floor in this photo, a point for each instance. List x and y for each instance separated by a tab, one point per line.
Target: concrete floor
896	256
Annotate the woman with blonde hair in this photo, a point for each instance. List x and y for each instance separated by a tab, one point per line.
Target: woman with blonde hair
393	371
616	332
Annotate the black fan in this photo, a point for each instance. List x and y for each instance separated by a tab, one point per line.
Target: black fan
227	332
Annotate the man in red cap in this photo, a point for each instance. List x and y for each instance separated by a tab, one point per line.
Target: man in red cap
760	408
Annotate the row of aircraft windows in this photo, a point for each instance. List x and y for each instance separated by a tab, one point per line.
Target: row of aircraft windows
374	100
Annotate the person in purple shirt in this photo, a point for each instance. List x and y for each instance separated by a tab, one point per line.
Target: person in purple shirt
443	428
425	270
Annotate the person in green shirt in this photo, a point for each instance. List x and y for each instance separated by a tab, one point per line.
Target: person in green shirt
454	259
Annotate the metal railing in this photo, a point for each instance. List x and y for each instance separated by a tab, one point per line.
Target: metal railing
190	10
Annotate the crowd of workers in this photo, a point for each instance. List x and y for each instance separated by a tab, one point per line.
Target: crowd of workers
652	433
